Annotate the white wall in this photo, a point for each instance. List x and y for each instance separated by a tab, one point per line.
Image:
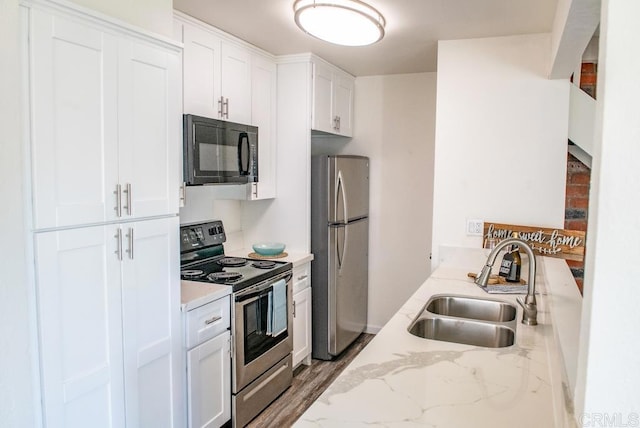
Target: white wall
608	370
201	205
501	137
17	374
394	127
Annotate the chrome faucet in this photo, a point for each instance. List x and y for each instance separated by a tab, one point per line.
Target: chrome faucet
530	307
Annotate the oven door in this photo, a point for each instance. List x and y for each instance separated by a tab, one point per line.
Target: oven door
257	349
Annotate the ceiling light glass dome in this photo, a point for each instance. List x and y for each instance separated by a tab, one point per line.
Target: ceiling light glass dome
342	22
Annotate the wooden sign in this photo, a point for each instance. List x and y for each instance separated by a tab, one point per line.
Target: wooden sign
561	243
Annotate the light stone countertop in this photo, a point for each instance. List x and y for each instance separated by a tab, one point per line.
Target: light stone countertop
400	380
195	294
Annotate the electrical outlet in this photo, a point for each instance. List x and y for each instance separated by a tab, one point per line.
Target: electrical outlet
474	227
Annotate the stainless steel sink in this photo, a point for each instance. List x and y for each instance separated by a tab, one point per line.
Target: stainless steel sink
461	331
472	307
468	320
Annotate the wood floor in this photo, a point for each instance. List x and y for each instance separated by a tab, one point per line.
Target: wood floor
308	383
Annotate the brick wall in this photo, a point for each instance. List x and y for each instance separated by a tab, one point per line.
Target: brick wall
577	206
588	78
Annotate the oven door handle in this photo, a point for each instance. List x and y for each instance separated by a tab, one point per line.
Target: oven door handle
257	291
245	299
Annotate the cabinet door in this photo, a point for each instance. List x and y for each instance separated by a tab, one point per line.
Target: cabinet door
344	86
322	112
263	115
301	325
236	83
73	90
149	124
80	330
209	383
201	81
152	324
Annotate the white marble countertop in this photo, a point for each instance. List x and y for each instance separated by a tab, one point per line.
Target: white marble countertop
195	294
400	380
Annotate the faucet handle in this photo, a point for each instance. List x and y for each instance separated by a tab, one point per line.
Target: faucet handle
529	311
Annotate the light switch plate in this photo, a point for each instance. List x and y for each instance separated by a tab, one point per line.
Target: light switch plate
474	227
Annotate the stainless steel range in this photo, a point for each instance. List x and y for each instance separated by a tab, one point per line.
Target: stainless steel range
261	315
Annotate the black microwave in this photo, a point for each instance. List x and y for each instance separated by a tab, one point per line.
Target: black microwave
216	151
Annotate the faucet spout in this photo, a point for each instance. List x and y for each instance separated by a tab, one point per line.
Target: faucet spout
530	307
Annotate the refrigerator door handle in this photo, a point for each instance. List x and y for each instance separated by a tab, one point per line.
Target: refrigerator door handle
340	191
341	252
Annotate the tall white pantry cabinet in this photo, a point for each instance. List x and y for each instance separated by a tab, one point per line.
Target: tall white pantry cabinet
104	140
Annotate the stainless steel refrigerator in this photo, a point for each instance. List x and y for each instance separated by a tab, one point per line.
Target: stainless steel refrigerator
340	245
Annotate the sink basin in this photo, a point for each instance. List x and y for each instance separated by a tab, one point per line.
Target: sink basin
463	331
467	320
472	308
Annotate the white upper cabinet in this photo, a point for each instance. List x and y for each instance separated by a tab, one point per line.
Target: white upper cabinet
236	83
105	125
263	115
323	93
149	125
201	71
217	75
228	80
343	102
333	92
74	139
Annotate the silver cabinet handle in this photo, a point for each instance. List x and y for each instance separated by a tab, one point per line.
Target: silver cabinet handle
118	237
221	107
226	108
130	236
255	190
183	195
118	193
127	190
294	308
212	320
338	118
301	277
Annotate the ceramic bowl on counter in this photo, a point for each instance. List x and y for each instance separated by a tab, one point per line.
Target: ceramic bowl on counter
268	248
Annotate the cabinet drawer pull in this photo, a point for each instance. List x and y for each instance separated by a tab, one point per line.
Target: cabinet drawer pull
212	320
301	277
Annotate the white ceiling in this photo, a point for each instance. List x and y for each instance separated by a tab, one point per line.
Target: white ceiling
412	33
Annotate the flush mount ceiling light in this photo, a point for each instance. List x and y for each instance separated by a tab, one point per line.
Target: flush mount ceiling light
342	22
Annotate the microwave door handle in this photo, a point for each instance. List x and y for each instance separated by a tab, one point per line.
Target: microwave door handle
242	137
245	137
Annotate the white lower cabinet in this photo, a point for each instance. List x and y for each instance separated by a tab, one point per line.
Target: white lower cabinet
209	364
302	314
109	325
